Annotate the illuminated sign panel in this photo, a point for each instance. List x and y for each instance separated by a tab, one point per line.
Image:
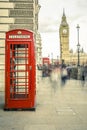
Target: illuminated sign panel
19	36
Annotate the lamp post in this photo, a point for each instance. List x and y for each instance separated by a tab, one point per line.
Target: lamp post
78	45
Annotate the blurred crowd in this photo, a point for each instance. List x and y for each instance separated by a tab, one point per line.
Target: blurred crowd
62	73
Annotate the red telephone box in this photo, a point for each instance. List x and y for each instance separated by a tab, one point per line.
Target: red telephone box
20	74
46	61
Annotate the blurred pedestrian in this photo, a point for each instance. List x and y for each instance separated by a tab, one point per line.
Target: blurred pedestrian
64	75
82	73
85	75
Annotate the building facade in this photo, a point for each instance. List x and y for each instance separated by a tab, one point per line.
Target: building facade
74	58
18	14
38	48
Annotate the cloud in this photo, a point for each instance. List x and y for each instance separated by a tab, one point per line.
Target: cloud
51	12
82	4
48	25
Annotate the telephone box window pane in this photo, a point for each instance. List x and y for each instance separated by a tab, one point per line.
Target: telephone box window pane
19	71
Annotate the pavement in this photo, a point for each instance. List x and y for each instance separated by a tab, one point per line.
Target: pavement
57	108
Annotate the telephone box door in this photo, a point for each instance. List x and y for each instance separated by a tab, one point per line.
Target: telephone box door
20	86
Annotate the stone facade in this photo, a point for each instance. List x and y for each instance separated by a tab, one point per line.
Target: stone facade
74	58
38	49
15	14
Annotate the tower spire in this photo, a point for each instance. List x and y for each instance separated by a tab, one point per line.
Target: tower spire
63	12
64	21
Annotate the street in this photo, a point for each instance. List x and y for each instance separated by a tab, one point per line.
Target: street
57	108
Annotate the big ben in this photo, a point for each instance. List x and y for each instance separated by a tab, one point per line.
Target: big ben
64	40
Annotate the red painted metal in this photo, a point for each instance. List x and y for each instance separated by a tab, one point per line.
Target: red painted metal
46	60
20	74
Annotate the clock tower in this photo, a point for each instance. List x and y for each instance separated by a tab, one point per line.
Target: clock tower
64	40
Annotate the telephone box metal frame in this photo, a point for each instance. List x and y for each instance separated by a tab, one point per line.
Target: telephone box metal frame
20	70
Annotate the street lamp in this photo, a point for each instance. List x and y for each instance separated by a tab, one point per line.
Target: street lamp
78	45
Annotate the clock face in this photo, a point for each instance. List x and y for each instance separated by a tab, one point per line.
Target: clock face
64	31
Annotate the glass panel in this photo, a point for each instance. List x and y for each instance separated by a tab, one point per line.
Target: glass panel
19	71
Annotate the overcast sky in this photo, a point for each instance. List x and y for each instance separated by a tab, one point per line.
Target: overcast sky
50	15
